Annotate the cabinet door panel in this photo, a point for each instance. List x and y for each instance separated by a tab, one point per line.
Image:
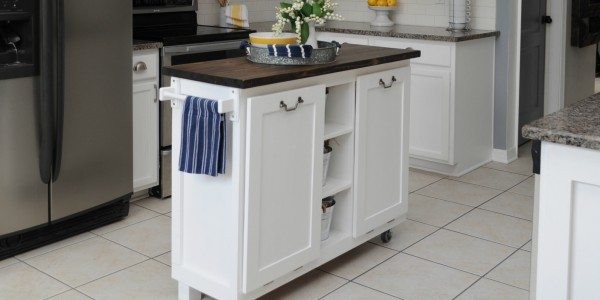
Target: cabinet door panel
283	184
145	136
430	127
381	168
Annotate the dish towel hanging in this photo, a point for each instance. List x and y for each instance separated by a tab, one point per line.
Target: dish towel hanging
237	15
203	141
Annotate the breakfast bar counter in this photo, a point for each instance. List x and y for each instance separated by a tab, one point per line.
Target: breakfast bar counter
313	163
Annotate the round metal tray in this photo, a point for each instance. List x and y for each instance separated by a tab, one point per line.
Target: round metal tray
326	53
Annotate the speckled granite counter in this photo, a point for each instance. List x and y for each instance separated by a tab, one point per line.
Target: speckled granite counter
577	125
145	45
398	31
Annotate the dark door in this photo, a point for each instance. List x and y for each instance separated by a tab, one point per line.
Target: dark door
533	59
94	150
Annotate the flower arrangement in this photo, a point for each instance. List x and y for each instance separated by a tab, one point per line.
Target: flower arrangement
300	13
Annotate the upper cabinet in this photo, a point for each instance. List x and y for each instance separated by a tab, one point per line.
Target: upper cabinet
145	119
381	169
284	162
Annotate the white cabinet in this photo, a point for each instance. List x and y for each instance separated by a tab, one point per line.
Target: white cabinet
258	226
451	127
381	168
145	120
283	175
430	113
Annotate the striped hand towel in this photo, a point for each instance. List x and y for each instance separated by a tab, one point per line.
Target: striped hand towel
237	15
203	140
300	51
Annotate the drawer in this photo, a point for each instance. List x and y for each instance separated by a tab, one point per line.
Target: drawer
145	65
343	38
438	54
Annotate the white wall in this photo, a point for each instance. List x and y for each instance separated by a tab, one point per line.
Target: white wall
409	12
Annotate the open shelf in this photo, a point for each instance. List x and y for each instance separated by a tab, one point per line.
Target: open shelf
334	186
333	130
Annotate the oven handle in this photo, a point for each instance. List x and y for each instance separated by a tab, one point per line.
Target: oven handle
201	48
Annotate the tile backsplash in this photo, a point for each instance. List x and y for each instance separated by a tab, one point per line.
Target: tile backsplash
409	12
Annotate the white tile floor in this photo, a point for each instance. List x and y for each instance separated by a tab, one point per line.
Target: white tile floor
466	238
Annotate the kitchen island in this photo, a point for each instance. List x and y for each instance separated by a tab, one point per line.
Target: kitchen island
258	226
567	203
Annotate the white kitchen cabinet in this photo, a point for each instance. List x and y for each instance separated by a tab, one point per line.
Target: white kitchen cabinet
258	226
381	149
283	208
430	114
452	100
145	119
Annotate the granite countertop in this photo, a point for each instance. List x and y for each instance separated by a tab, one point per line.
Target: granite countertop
398	31
146	45
240	73
577	125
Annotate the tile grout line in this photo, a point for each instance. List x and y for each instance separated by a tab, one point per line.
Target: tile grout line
127	226
140	253
488	272
512	172
104	276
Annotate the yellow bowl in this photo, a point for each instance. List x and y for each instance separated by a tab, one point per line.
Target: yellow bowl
270	38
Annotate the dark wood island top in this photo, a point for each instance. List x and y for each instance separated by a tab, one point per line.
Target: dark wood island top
241	73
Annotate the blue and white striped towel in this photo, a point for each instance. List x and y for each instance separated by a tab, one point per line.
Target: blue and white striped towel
203	140
299	51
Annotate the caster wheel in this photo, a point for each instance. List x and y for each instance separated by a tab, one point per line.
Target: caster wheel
386	237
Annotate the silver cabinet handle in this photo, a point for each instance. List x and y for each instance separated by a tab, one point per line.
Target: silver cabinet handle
387	86
140	66
284	106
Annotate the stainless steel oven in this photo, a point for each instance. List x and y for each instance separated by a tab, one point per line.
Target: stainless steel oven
173	23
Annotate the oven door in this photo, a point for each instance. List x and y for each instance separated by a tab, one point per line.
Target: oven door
183	54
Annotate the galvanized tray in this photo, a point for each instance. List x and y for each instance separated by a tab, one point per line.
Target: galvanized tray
326	53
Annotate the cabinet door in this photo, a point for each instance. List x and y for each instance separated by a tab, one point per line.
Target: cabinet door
430	127
381	167
284	165
145	136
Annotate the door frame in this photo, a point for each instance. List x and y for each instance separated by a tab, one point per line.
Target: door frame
554	78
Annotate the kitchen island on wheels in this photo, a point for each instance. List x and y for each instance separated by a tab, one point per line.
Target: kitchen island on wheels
269	217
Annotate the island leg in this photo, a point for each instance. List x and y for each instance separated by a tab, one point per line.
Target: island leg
188	293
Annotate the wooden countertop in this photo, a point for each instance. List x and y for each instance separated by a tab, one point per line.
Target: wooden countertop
241	73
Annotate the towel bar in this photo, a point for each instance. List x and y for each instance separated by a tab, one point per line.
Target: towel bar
168	94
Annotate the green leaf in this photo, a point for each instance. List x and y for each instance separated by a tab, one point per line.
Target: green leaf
304	32
317	10
306	10
285	5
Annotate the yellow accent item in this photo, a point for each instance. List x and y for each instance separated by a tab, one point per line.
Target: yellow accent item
392	2
381	3
236	15
269	38
372	2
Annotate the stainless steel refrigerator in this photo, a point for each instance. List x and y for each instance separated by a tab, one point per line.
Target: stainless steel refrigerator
65	119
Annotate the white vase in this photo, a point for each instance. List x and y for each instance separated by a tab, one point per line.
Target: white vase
312	35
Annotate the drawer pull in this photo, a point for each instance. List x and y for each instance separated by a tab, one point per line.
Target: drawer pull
387	86
140	66
284	106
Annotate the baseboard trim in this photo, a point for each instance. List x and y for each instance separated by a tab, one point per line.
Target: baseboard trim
505	156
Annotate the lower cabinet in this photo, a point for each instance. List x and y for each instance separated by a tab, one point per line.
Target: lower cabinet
430	126
145	136
381	161
283	178
145	65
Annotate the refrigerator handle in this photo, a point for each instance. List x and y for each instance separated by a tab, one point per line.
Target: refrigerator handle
47	89
60	88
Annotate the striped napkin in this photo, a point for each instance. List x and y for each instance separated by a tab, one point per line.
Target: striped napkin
203	140
299	51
